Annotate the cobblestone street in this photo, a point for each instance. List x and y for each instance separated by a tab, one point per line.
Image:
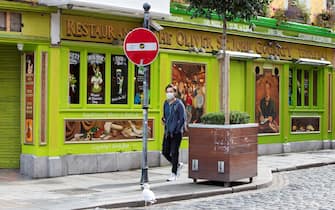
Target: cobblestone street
306	189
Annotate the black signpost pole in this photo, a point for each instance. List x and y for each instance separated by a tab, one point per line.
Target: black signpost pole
144	176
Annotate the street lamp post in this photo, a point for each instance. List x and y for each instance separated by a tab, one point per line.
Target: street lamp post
144	175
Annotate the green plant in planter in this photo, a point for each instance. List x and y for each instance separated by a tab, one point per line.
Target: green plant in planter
236	117
279	15
326	18
296	12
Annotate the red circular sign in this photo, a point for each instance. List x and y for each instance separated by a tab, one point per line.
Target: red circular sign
141	46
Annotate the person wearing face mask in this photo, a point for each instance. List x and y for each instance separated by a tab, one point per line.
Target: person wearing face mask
174	118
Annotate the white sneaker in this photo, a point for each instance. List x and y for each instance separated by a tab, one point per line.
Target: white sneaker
172	177
180	166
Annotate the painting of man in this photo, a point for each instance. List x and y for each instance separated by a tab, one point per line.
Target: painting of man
267	102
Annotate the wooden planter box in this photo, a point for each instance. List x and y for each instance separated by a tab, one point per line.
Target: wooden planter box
223	152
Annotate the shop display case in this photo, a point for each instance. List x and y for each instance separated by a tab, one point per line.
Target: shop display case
301	124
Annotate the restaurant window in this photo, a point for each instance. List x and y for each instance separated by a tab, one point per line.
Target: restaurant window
190	82
95	78
119	92
304	81
74	77
315	88
306	88
139	79
290	87
299	87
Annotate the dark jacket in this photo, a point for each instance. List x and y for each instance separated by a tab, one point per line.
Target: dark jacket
174	117
268	110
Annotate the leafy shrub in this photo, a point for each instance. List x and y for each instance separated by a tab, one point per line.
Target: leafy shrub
236	117
326	18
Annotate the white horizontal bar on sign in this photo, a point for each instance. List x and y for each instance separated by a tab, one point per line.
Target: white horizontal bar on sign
146	46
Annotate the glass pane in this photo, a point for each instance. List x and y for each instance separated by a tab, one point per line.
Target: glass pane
299	87
95	78
74	77
306	87
290	90
119	92
139	79
315	88
305	124
15	22
190	80
2	21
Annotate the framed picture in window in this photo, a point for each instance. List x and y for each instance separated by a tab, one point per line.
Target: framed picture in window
267	101
302	124
74	77
139	79
119	92
95	78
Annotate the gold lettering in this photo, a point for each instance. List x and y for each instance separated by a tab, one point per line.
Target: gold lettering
70	28
210	44
164	38
77	30
188	41
282	52
161	37
98	30
169	39
104	31
259	48
110	32
92	31
204	42
180	39
84	30
195	40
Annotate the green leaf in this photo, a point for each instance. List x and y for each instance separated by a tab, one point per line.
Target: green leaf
229	9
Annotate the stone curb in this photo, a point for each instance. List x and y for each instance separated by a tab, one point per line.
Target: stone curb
160	200
187	196
304	166
229	190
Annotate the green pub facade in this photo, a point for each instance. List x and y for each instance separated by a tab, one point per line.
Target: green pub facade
73	102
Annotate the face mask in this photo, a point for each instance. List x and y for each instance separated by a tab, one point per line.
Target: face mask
169	96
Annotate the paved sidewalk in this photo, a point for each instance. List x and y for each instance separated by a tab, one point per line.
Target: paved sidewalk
117	189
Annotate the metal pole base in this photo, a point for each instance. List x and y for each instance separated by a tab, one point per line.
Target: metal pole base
144	176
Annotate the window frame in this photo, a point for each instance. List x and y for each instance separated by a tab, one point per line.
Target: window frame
311	87
108	52
8	21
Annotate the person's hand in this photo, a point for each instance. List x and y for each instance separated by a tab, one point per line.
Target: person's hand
270	118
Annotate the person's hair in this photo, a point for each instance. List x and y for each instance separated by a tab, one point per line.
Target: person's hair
171	86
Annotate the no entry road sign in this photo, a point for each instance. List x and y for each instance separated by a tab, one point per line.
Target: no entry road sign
141	46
